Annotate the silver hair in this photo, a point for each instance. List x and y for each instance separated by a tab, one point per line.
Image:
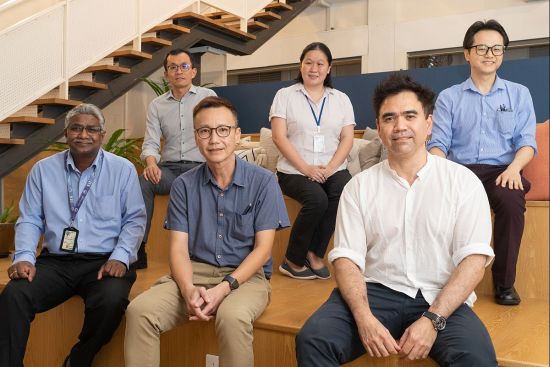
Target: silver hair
86	109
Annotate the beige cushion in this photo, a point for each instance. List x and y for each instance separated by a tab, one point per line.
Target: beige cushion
255	155
370	134
271	151
372	153
354	166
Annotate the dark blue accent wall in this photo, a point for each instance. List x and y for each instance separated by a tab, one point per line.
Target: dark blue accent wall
254	100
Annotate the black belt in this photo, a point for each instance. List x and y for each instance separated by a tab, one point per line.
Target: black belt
184	162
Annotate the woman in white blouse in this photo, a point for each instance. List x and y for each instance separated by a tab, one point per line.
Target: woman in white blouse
312	126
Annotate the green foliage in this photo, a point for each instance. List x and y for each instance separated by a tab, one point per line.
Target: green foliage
7	215
126	148
159	87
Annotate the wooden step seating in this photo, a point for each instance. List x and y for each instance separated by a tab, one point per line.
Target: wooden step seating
190	18
278	6
267	15
11	141
169	26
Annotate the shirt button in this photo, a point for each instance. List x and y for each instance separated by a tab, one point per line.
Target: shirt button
221	214
481	150
221	194
219	236
484	113
483	131
219	256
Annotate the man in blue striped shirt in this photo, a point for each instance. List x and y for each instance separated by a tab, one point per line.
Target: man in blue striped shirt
488	124
88	206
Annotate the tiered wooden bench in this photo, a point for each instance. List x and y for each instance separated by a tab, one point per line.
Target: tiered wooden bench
520	334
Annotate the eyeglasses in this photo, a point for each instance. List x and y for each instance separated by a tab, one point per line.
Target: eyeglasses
481	50
92	130
223	131
184	67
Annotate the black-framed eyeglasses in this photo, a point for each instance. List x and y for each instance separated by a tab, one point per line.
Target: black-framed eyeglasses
223	131
184	67
92	130
496	50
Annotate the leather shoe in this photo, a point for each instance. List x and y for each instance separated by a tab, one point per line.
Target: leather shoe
506	296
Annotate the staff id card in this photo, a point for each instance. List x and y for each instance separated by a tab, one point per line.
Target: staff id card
318	143
68	240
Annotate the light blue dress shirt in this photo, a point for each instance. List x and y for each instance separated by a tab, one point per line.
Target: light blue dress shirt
111	219
475	128
222	224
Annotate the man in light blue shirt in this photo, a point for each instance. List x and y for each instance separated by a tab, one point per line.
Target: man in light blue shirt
87	204
488	124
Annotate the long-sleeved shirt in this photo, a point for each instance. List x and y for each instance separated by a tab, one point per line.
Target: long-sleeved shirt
173	120
111	218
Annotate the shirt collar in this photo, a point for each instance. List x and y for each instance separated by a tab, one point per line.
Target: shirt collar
421	174
193	90
70	165
469	84
238	175
300	87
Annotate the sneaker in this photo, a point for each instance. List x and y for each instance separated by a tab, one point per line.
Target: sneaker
322	273
304	274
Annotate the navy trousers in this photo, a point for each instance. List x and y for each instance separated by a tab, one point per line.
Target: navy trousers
330	336
57	279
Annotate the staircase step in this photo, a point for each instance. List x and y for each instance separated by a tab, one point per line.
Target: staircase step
105	61
229	19
156	41
12	141
269	15
133	54
87	84
28	120
277	5
26	111
216	14
170	27
254	25
107	68
194	17
56	101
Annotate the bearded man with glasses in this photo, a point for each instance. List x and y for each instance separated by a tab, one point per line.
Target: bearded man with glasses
170	117
488	124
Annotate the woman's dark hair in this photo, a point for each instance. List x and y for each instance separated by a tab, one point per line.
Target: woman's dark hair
324	49
490	25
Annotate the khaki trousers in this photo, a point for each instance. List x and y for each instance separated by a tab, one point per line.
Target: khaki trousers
162	308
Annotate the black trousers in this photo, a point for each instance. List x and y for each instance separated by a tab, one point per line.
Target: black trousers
57	279
509	208
314	225
330	336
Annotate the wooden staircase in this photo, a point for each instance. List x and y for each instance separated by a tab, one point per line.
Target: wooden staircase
34	127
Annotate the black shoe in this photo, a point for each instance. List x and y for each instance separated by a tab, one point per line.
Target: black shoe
506	296
141	262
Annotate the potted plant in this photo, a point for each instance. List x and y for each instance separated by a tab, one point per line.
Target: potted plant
7	230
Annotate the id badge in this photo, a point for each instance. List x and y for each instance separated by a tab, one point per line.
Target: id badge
318	143
68	241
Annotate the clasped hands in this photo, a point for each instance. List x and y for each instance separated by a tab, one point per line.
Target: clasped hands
415	343
203	303
318	173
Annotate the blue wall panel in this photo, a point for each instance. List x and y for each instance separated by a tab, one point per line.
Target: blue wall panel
254	100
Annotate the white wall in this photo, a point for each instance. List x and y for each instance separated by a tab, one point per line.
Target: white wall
383	31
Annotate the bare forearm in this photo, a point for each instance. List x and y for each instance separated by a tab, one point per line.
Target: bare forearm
257	258
522	157
344	147
150	160
180	263
462	282
352	286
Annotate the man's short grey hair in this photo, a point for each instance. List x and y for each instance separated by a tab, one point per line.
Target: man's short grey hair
86	109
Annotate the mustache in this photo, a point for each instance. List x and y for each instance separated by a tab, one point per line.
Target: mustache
402	134
83	141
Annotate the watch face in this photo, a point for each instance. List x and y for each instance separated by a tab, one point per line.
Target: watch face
440	323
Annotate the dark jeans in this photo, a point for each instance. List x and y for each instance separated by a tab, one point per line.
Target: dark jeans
509	208
170	171
57	279
330	336
315	222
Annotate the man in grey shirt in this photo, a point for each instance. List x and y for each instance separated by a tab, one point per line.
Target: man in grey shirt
169	116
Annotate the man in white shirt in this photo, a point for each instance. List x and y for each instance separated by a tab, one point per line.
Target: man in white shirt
412	241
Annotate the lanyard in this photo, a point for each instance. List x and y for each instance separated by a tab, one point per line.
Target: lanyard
317	120
75	207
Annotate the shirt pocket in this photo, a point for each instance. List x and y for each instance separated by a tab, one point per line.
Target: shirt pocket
243	227
505	122
105	207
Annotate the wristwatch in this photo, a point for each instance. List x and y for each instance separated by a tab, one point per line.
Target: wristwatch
233	283
438	321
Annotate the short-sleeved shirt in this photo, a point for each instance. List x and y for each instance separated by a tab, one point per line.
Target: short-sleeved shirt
222	223
476	128
173	120
295	106
412	237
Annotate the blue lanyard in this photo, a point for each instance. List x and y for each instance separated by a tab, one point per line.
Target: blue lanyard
75	207
317	120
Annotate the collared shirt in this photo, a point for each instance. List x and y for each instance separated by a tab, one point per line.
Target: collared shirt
412	237
476	128
111	218
222	224
173	120
292	105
